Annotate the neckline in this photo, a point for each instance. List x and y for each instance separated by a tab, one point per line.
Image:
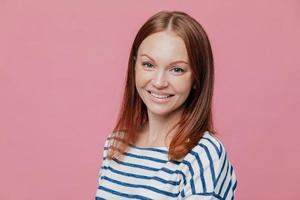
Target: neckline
149	148
161	147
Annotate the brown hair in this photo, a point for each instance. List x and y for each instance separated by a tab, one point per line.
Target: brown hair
197	115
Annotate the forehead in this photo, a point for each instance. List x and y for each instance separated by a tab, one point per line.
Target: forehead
164	46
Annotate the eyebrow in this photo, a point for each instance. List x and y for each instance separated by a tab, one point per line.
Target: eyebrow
178	61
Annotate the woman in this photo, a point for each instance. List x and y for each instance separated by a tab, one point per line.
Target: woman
163	145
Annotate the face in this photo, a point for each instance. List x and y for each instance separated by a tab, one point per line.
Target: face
162	73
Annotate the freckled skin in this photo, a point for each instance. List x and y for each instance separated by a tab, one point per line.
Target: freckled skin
165	48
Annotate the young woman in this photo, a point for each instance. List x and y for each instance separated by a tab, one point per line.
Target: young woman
163	145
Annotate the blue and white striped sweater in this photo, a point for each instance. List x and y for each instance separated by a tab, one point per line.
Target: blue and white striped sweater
145	173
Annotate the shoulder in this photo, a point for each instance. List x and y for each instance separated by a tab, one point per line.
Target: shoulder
112	141
211	145
111	137
209	148
207	168
208	153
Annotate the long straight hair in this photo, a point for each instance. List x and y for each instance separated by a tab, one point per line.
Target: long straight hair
197	114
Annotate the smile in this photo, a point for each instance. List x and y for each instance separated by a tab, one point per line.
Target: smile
160	97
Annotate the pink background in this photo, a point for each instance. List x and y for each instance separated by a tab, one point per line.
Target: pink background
62	69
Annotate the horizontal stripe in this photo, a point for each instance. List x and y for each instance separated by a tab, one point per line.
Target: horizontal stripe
134	165
140	186
145	158
208	194
146	173
151	168
141	176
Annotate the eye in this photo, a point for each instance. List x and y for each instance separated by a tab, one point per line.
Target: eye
177	70
147	65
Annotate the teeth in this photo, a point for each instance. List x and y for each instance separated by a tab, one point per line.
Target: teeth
160	96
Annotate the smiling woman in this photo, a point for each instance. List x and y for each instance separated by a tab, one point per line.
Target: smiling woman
163	83
163	145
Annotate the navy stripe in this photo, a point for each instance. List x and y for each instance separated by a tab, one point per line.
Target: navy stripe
225	177
134	165
227	190
203	194
146	158
140	186
182	193
219	151
130	196
222	168
192	174
233	189
201	170
217	196
176	172
234	186
175	162
209	194
211	164
148	168
151	168
142	176
99	198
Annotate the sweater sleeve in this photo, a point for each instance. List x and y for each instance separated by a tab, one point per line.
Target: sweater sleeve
209	173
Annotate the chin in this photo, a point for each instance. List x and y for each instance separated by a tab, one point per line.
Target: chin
159	111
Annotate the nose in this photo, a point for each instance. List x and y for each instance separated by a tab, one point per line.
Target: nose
159	80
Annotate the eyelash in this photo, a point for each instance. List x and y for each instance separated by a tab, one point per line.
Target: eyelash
146	64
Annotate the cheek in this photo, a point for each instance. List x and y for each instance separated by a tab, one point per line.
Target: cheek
141	78
182	85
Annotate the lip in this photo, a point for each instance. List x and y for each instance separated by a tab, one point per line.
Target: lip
159	100
158	93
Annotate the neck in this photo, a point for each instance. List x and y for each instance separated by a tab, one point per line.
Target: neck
158	127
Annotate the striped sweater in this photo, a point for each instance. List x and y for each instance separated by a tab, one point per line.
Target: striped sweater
146	173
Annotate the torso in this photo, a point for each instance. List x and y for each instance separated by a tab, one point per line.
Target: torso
146	173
